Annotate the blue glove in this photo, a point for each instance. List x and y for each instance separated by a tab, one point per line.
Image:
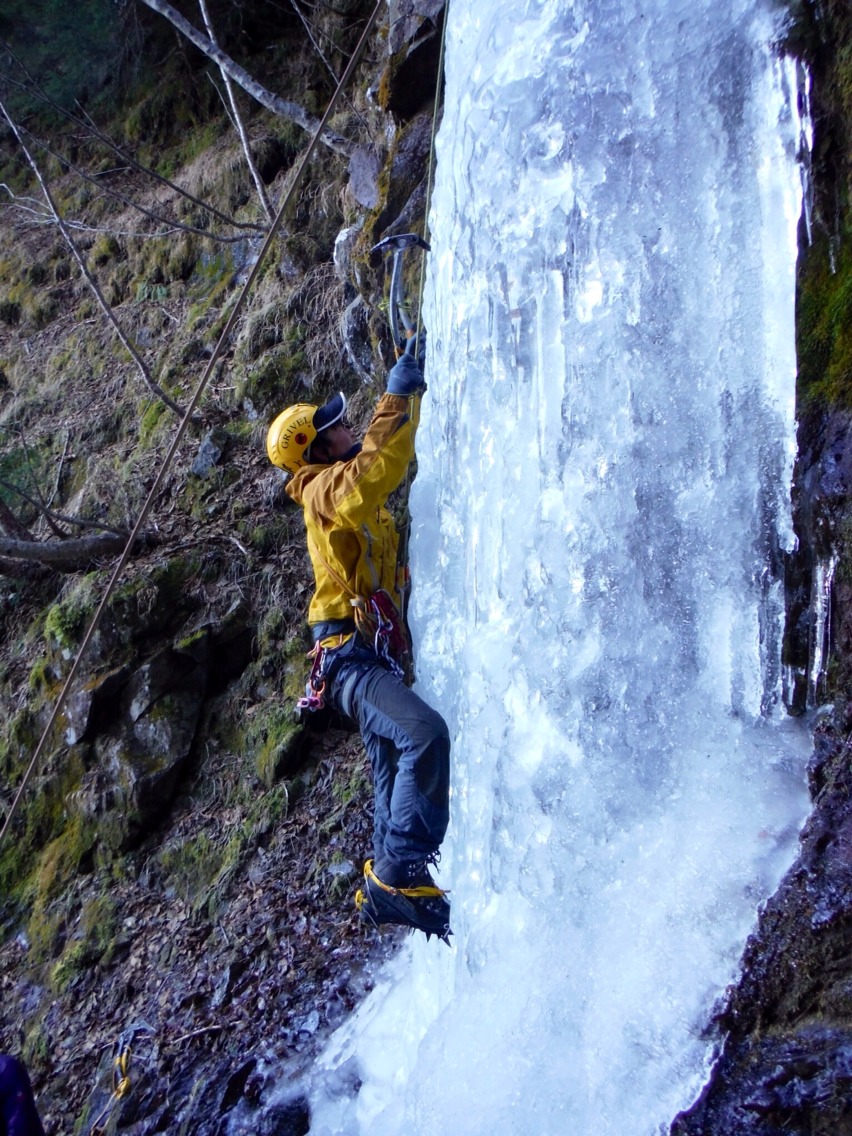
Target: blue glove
406	375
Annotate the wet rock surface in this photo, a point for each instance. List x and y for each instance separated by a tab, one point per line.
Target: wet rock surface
214	993
787	1026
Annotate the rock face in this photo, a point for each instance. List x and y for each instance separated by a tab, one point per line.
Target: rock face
137	728
787	1060
143	742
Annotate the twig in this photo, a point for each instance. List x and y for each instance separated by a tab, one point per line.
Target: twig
50	514
84	268
40	504
59	466
238	122
108	191
85	122
198	1033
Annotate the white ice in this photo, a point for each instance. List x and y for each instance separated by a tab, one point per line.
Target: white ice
602	497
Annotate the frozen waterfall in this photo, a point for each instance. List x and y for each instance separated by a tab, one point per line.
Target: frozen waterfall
602	496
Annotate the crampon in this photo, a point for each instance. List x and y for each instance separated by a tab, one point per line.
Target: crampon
425	909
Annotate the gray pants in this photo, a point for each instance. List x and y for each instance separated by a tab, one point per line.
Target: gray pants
409	749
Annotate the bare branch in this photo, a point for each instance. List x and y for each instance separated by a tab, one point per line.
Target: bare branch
48	512
85	122
306	25
36	209
84	268
108	191
11	525
238	123
241	77
31	467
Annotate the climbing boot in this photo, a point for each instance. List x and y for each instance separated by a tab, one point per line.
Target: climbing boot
419	904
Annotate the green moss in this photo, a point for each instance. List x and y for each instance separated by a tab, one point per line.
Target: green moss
105	249
91	943
265	538
824	323
42	679
57	866
153	599
281	744
37	1049
192	865
155	413
276	375
67	620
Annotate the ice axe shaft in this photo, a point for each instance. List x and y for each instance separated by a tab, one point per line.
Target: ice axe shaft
402	325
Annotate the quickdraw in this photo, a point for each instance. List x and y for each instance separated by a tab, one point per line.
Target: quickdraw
390	642
314	696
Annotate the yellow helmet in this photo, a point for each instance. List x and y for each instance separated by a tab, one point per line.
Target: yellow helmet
290	436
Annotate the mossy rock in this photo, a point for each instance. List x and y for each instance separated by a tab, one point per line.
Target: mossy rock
824	323
66	621
282	750
278	376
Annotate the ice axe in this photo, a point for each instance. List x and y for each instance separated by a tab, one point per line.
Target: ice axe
401	324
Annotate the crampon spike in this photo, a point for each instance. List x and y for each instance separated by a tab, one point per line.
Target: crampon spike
425	909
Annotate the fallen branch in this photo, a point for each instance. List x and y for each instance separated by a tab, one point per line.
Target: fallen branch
66	555
197	1033
22	569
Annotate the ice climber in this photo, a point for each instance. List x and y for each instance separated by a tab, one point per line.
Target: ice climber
18	1114
360	640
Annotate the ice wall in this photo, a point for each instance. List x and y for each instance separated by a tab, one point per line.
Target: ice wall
601	500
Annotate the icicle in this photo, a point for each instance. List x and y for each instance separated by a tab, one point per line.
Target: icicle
820	652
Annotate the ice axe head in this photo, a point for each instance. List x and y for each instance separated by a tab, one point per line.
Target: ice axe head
399	243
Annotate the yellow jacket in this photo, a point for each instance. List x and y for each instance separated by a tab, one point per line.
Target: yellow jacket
349	527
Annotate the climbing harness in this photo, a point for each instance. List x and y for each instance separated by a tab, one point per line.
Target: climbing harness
378	622
402	324
378	618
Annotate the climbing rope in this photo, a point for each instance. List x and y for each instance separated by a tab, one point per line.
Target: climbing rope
405	528
438	82
187	417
